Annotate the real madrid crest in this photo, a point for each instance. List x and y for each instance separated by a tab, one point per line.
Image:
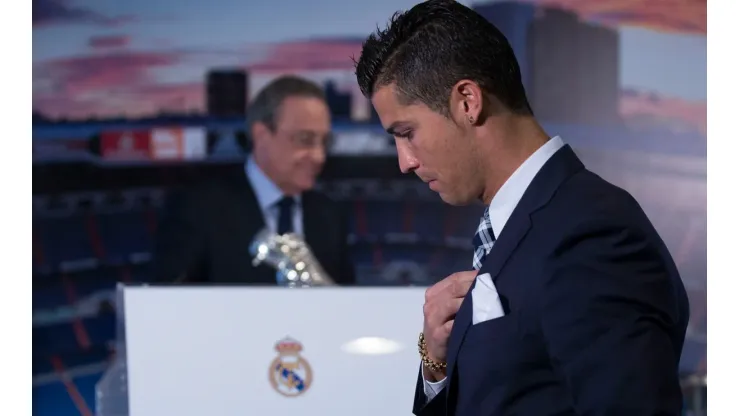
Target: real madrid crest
290	374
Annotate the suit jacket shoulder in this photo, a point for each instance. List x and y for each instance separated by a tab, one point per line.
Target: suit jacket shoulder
590	196
608	282
200	220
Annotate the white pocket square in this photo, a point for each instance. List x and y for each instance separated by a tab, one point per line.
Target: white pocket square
486	302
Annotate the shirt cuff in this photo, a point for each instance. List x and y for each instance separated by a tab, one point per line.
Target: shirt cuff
431	389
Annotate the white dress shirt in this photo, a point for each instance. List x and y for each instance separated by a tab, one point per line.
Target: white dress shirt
268	195
503	204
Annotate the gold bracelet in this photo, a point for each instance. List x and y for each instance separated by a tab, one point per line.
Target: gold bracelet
428	363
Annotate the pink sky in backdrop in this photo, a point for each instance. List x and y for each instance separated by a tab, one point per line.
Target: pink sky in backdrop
110	75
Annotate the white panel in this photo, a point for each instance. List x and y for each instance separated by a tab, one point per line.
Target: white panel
207	351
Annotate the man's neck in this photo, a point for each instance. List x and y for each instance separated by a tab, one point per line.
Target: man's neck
506	148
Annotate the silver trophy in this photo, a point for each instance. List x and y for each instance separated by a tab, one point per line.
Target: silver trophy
291	257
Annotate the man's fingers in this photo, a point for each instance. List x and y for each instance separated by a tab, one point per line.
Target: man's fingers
438	313
453	305
466	276
437	288
448	326
456	282
462	284
442	333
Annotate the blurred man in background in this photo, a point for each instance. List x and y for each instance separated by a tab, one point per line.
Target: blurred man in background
207	231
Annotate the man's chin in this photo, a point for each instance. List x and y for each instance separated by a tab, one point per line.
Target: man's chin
306	184
446	198
451	199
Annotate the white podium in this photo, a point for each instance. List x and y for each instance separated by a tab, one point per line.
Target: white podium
265	351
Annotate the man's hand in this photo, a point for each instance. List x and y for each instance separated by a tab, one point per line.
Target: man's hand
442	302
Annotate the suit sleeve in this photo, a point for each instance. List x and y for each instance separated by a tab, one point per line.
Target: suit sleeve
179	253
437	406
613	321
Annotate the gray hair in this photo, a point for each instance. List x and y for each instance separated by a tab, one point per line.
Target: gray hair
266	105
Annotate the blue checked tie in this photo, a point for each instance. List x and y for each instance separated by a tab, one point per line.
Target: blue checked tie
483	241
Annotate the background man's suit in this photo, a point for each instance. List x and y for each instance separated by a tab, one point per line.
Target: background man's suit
208	230
595	310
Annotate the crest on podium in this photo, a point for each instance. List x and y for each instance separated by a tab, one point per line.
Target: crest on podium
290	374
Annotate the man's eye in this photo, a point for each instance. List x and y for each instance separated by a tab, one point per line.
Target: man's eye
405	135
306	140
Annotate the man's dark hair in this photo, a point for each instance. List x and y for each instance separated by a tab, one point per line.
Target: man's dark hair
425	51
266	105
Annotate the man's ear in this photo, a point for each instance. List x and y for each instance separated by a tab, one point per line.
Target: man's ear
259	133
466	102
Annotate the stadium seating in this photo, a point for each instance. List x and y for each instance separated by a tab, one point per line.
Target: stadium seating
72	396
64	240
53	399
126	233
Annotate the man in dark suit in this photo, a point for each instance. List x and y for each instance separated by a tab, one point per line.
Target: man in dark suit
574	306
207	231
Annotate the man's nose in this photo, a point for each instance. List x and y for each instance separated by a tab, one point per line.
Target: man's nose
318	154
406	160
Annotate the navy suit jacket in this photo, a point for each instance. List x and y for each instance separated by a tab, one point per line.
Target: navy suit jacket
595	310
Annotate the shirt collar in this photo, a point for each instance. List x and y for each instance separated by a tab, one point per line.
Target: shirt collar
507	198
267	193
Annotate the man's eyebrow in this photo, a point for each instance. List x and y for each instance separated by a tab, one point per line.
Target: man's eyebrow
396	126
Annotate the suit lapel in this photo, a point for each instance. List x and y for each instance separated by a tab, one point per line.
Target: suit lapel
460	327
253	218
563	164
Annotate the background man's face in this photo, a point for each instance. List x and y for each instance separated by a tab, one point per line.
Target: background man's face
294	151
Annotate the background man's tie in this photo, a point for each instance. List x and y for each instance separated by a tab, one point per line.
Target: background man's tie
285	216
